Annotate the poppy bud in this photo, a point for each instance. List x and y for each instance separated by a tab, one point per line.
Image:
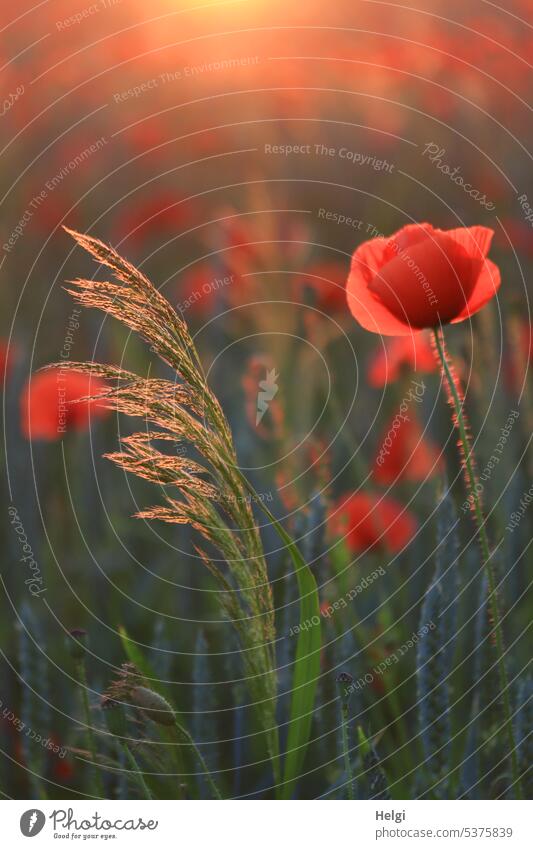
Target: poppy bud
154	706
115	716
344	679
77	643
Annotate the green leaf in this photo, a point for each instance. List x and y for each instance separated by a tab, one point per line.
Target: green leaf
305	675
306	665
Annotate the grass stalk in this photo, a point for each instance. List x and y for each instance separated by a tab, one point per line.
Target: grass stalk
460	421
343	681
82	677
182	732
136	771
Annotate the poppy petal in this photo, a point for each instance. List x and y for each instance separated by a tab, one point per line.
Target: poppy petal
475	240
486	286
428	283
366	307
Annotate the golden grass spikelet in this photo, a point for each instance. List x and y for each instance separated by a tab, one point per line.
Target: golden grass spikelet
208	493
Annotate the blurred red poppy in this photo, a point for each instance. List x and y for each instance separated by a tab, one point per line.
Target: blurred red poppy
47	410
326	282
369	521
5	360
161	213
198	288
405	453
515	235
421	277
518	360
413	352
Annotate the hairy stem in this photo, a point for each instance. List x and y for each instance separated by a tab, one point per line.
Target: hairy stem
136	771
477	510
345	742
90	733
184	734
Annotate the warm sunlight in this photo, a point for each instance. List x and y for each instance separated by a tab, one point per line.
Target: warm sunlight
266	280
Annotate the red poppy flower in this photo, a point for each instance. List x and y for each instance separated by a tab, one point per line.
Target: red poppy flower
515	235
63	770
526	341
369	521
405	453
46	405
413	352
147	219
5	360
198	287
327	283
520	357
421	277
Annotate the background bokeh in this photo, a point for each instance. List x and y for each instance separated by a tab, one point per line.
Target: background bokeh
238	152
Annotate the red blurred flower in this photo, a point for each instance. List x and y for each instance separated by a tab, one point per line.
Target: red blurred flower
414	352
198	289
526	341
161	213
46	404
515	235
63	770
405	453
518	360
327	283
5	360
421	277
372	521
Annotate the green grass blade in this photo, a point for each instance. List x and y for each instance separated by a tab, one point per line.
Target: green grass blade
305	675
306	664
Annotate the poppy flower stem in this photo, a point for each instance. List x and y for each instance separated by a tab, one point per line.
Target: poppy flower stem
80	665
134	766
344	679
456	402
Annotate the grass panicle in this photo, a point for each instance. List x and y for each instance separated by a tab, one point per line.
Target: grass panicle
208	493
435	649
